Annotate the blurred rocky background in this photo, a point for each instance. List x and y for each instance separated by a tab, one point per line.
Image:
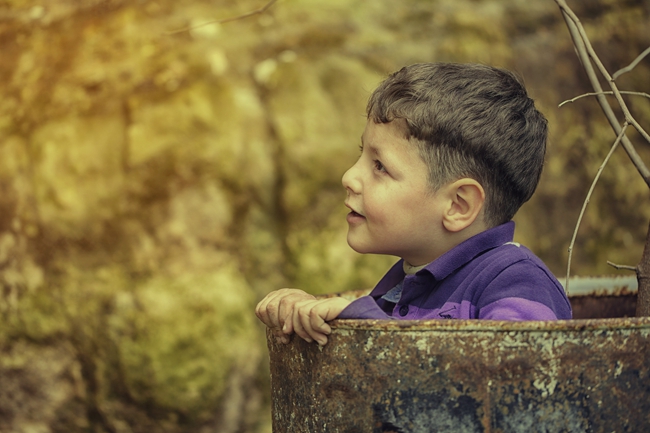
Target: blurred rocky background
154	185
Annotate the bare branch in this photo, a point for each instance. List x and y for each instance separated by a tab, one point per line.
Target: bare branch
608	92
623	267
226	20
632	65
588	198
603	70
584	50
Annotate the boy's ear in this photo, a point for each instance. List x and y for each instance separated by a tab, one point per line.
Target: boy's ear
466	197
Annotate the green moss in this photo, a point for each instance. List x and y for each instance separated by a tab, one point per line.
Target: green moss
180	339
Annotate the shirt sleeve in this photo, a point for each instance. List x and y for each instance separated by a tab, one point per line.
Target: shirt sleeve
516	309
524	291
364	307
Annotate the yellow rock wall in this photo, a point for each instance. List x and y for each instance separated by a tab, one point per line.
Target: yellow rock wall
155	184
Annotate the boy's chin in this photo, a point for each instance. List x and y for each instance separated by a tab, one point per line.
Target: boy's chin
357	248
361	248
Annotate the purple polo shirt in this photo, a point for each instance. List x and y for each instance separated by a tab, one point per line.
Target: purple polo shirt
485	277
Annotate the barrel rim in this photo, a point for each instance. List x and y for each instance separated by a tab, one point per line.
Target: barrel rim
450	325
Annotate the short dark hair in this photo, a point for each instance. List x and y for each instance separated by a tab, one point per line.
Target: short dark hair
469	120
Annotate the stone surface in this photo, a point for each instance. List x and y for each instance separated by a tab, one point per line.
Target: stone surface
155	184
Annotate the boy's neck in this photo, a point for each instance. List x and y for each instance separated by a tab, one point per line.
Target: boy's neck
410	269
451	240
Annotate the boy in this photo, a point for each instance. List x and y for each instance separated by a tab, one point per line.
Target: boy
449	154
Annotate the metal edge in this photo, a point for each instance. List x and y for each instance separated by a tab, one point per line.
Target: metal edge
491	325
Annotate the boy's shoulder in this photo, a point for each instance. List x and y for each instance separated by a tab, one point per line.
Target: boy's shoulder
510	253
491	251
516	262
513	272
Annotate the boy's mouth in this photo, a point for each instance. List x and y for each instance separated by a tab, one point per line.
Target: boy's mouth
353	213
354	218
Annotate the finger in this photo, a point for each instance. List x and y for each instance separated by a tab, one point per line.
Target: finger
323	311
317	322
260	307
267	310
280	336
272	310
320	313
260	310
287	307
288	328
308	316
298	323
299	330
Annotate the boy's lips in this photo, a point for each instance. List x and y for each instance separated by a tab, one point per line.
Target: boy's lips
353	213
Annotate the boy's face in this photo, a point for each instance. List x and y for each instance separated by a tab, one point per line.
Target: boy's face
393	209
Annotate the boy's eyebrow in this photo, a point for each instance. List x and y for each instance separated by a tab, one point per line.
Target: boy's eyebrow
372	148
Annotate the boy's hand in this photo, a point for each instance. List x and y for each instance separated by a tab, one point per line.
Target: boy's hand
287	310
310	317
276	309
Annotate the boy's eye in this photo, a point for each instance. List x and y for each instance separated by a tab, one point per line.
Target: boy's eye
379	166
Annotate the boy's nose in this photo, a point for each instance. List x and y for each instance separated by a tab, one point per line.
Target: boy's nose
350	181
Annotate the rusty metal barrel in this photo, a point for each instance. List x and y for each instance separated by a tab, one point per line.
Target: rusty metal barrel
590	374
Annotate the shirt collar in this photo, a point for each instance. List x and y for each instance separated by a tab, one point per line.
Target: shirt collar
467	250
453	259
410	269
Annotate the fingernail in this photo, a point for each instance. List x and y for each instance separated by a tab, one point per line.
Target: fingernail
322	341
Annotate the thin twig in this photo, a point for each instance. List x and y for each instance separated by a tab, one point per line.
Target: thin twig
588	198
592	54
226	20
623	267
632	65
580	44
608	92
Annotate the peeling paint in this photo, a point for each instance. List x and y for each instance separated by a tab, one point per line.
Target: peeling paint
546	388
368	345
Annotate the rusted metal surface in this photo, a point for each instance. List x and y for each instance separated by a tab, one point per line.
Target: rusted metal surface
466	376
603	297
